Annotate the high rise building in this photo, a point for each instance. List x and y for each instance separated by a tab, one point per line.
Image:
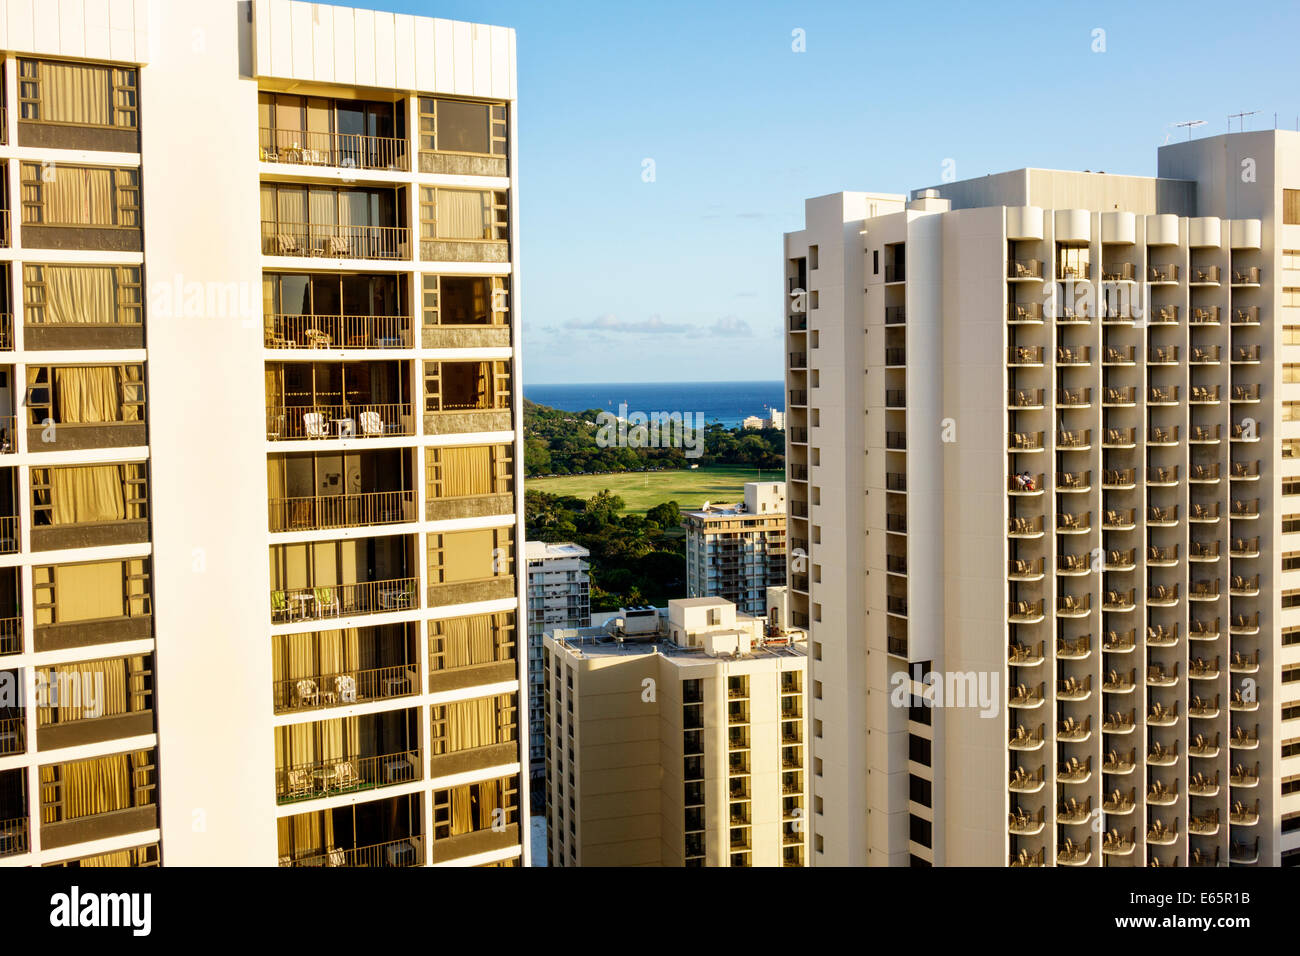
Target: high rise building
1042	447
737	551
559	596
262	470
676	739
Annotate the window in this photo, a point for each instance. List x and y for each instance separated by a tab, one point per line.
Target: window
1290	373
472	724
919	830
319	131
1291	784
85	788
1291	411
918	710
102	197
1291	333
1291	258
460	126
812	257
875	262
1290	561
1291	748
86	494
1291	712
85	395
918	749
1291	635
466	300
463	471
88	690
1290	297
466	386
82	295
91	591
919	789
471	641
1291	207
1290	523
473	807
457	557
463	215
77	94
1291	448
1290	674
351	222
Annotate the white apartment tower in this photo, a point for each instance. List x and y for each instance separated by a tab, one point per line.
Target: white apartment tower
261	327
737	551
1044	443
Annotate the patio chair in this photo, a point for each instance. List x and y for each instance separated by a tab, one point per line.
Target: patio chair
335	857
286	244
337	246
315	426
371	424
300	783
308	693
316	339
326	600
345	686
280	606
346	776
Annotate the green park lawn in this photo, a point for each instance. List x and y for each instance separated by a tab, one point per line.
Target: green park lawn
641	491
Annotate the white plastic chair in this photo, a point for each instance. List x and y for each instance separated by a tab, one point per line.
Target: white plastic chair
371	423
315	425
346	689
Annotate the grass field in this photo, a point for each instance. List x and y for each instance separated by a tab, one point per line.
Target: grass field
641	491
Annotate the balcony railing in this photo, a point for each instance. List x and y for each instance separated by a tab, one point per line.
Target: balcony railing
1162	595
1073	481
348	775
285	331
1028	313
1245	393
1200	434
1073	356
1201	395
896	441
1164	314
408	851
345	688
1119	438
1205	316
342	511
11	635
1203	356
1025	441
1025	398
344	150
1246	276
895	273
1122	356
1082	270
1025	355
1024	269
1119	397
1243	471
1119	519
1074	440
335	241
1245	355
343	600
1202	512
1247	315
1071	523
1025	612
1073	397
1204	275
13	836
895	314
296	422
1025	527
1168	355
1162	273
1114	600
13	735
1118	723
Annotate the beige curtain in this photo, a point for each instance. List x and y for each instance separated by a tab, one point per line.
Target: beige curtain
75	295
468	641
79	196
464	215
308	834
91	787
88	592
86	494
324	208
86	690
475	723
466	471
78	93
86	394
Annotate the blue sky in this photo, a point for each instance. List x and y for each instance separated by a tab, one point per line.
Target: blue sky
679	279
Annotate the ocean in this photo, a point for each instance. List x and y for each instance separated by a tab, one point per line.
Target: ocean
728	403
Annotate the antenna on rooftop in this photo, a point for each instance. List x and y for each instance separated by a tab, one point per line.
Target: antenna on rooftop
1241	117
1190	124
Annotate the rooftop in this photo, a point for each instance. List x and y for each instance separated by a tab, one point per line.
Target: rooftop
597	642
540	550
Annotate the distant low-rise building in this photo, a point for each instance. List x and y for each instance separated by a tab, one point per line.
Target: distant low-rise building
676	737
752	422
737	551
775	419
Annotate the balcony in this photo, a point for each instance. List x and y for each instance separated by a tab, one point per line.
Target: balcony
1116	643
1119	397
1167	436
1159	676
1241	663
1204	748
1025	356
1246	394
1241	703
1203	474
798	397
1244	852
1024	858
1074	854
1074	440
1080	356
1025	399
896	272
1166	517
1071	811
1119	438
1025	270
1023	697
1201	395
1119	519
1025	655
1118	724
1241	586
1022	823
1114	479
315	687
1070	315
1119	560
1022	740
1073	565
339	776
1205	316
1204	591
1244	432
1074	770
1022	485
1162	557
1245	277
1073	482
1073	271
1162	396
1161	716
1203	708
1241	471
1242	815
1074	398
1119	804
1202	513
1163	314
1201	435
1072	689
1025	527
1203	276
1070	605
1114	843
1118	601
1025	442
1024	313
298	331
335	240
1022	781
1167	355
896	441
1202	785
1161	756
1076	650
1068	523
1244	548
1117	357
1071	731
1159	795
1158	834
895	314
1247	316
896	605
1204	356
1162	274
1244	777
1245	625
1199	630
1022	570
1245	355
1162	635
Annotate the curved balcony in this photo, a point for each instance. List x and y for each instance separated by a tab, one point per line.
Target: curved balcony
1163	315
1244	547
1024	270
1116	683
1203	591
1241	663
1162	756
1022	823
1024	485
1071	523
1074	770
1203	355
1119	272
1245	315
1203	276
1162	635
1025	612
1025	527
1158	795
1119	804
1114	843
1201	669
1119	314
1075	357
1074	440
1244	777
1024	313
1073	482
1245	355
1203	630
1166	436
1022	740
1022	570
1243	739
1025	356
1026	859
1167	355
1074	398
1119	764
1167	395
1203	747
1074	272
1245	277
1244	851
1203	707
1203	474
1200	552
1118	723
1162	274
1025	399
1022	781
1166	557
1162	477
1241	471
1119	519
1203	513
1118	601
1071	731
1158	834
1243	434
1242	510
1246	394
1069	605
1119	479
1203	395
1241	704
1204	316
1072	812
1203	435
1157	676
1072	689
1244	624
1024	697
1076	650
1025	442
1161	716
1205	825
1117	559
1202	785
1242	815
1119	397
1026	655
1119	438
1124	356
1162	517
1071	315
1116	643
1241	586
1162	595
1203	858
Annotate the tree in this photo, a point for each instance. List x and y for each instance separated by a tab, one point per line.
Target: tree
666	515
